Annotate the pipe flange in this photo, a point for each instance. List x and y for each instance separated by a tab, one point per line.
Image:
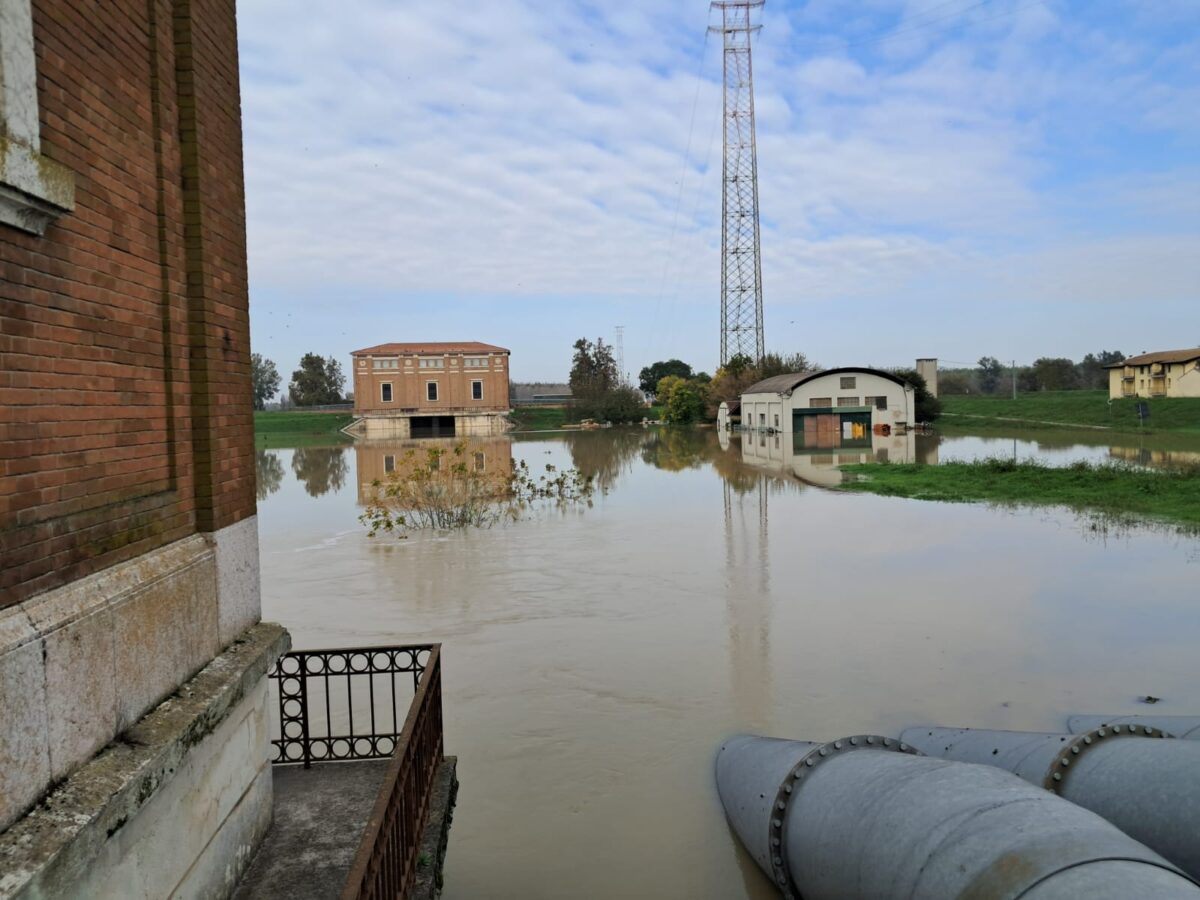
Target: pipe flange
1059	769
795	778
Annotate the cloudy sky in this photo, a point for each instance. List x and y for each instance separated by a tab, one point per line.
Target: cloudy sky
945	178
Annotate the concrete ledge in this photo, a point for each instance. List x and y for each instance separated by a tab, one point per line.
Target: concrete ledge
48	852
431	859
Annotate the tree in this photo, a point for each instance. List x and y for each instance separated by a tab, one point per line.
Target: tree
928	406
1092	372
1055	374
317	381
265	378
650	376
956	381
593	370
990	373
775	364
686	403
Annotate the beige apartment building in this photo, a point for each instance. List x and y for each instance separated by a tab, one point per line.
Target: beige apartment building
1166	373
431	389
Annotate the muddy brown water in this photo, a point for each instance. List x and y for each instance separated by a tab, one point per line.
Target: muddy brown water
594	658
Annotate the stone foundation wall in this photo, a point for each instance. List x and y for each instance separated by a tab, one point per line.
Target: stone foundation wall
175	807
80	664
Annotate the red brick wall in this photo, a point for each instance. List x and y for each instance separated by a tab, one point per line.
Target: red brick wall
125	413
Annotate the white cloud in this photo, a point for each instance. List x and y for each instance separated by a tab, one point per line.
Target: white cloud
536	150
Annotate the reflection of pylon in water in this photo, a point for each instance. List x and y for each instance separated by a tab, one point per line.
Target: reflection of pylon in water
748	606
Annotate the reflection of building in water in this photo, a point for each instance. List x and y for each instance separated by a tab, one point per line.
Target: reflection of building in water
376	460
1143	456
788	454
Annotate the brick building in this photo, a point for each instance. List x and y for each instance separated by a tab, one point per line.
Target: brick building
128	539
411	390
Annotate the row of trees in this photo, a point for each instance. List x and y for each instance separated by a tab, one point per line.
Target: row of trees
1046	374
318	381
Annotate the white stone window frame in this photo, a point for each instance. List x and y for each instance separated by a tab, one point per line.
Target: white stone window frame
390	390
476	381
34	190
431	362
434	398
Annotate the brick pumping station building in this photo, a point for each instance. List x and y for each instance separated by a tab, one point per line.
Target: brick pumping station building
136	732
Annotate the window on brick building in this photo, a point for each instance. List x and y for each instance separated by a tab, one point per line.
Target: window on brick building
431	390
385	392
432	362
475	362
36	190
476	390
389	463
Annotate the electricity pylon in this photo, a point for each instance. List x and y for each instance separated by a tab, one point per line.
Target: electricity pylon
741	264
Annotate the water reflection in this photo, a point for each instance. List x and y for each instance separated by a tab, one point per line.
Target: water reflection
375	460
606	459
268	473
787	455
320	469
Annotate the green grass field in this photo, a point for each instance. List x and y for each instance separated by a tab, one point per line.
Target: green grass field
1113	493
1069	409
299	429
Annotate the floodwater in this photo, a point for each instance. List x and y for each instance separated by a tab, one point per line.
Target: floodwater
594	658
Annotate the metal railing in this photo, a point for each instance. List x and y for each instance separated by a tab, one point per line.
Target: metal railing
385	865
342	705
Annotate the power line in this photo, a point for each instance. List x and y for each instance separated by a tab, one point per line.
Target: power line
901	32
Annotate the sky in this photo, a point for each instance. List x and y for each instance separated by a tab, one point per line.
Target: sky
949	178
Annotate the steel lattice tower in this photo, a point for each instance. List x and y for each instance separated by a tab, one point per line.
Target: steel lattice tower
741	265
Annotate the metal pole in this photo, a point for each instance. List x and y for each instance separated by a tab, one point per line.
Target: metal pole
1014	378
867	817
1146	786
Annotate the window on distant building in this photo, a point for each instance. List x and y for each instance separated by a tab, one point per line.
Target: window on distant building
777	420
385	392
389	463
848	401
431	362
820	402
475	362
476	390
881	402
479	461
34	190
431	390
849	382
386	363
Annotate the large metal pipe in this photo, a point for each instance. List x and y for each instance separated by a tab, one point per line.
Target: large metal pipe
866	817
1185	727
1146	786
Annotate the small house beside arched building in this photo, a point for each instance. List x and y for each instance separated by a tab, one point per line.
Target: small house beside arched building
833	408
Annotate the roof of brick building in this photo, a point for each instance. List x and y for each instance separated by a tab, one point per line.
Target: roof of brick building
436	347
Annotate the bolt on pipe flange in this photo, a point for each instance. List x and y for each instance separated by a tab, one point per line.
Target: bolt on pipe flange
1061	766
795	778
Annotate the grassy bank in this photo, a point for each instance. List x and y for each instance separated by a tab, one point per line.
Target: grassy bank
297	429
1112	492
1071	409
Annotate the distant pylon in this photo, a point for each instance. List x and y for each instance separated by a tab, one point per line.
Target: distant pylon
741	265
619	353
